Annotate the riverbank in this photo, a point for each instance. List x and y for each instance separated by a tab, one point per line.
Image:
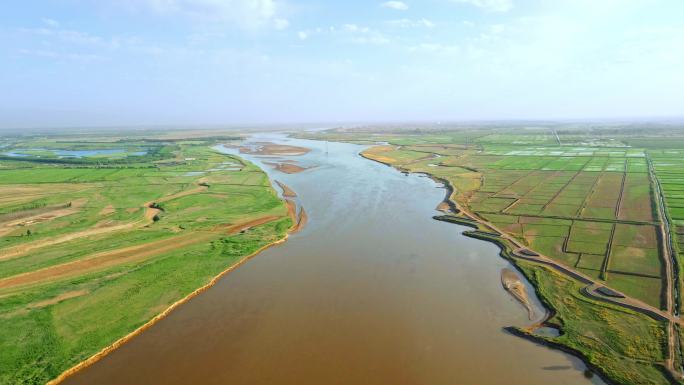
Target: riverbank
120	342
360	275
298	221
528	262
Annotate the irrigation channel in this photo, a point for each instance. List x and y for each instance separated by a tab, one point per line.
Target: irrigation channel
371	291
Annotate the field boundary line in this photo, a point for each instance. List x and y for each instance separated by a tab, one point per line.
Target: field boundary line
123	340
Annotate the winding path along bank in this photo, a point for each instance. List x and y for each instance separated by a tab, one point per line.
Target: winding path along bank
512	248
371	291
298	222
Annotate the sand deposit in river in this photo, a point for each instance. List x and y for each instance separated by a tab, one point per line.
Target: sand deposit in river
287	167
287	192
513	284
267	148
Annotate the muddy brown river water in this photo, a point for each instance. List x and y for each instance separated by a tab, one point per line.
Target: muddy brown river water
371	291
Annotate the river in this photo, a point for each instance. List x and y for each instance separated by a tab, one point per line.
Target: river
371	291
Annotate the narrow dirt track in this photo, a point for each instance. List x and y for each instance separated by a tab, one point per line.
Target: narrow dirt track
670	278
44	216
627	302
22	249
124	255
150	212
103	260
19	250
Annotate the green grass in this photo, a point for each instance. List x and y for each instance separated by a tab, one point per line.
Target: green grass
42	333
624	345
533	182
564	202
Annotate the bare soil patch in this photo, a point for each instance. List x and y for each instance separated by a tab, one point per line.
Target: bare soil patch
444	207
287	192
39	216
512	283
150	212
273	149
288	168
130	254
242	226
302	220
58	299
107	210
105	259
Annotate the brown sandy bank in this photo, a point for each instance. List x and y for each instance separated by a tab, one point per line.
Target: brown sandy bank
129	254
286	167
120	342
301	220
298	223
513	284
273	149
287	191
444	207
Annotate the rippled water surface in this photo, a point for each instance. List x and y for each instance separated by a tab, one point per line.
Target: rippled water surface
372	291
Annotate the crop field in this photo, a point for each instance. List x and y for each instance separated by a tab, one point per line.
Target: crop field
586	200
95	242
570	204
669	166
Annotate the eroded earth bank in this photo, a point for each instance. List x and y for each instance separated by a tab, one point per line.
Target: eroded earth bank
371	291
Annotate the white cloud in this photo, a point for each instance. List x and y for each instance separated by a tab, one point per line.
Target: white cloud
437	48
281	23
426	23
409	23
50	22
497	28
354	28
373	39
58	43
348	33
396	5
47	54
248	14
363	35
67	36
489	5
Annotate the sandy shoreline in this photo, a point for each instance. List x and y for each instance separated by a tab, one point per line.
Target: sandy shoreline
297	224
508	252
270	149
512	283
287	191
121	341
287	167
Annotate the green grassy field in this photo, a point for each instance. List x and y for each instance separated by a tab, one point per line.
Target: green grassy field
584	198
91	248
591	212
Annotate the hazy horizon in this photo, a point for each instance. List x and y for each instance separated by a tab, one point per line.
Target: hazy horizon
86	63
406	124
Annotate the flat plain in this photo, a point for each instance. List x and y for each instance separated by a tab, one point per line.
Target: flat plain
596	206
100	234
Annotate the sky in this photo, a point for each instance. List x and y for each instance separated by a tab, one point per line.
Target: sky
229	62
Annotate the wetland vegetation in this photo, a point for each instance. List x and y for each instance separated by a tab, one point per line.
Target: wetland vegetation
99	234
582	211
